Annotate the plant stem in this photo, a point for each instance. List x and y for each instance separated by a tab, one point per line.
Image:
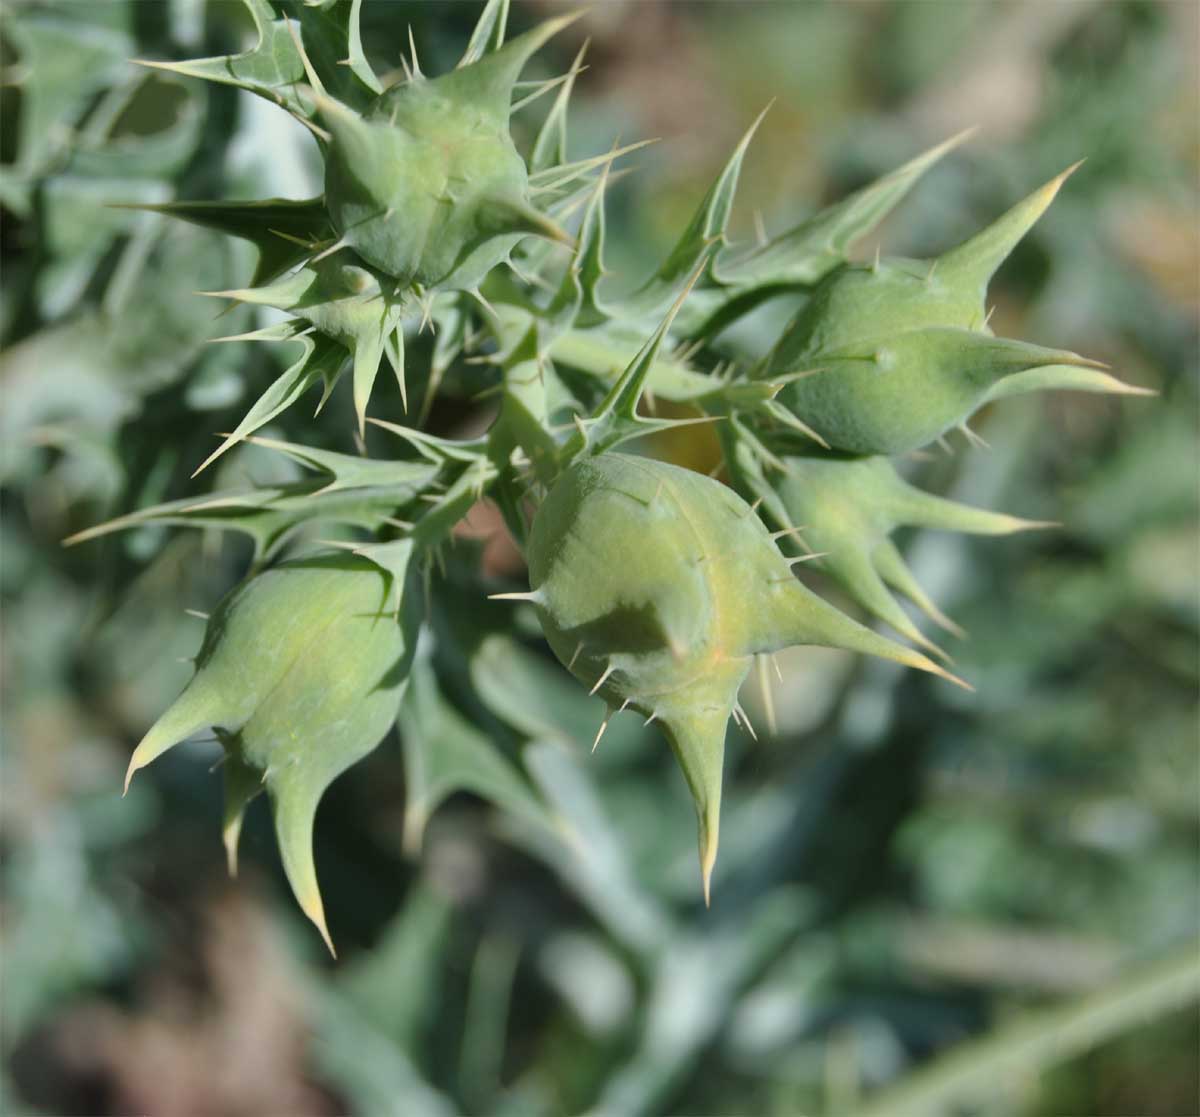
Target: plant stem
1044	1038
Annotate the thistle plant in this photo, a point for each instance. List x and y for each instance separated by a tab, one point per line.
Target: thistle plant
654	586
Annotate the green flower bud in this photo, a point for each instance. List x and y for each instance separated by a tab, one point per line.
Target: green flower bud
850	507
428	186
901	348
300	673
656	587
904	392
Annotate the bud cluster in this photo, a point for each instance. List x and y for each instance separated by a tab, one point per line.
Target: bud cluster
655	586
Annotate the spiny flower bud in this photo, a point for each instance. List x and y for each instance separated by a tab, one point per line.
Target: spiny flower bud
427	186
656	586
850	507
903	392
901	349
300	674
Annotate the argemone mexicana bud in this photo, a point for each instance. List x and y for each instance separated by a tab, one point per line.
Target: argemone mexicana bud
300	674
900	349
850	506
657	586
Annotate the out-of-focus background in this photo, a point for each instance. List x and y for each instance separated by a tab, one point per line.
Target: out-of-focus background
906	870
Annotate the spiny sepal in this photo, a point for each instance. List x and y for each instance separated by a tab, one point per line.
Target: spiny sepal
550	145
656	587
427	185
351	304
899	394
301	672
850	506
704	236
488	35
321	361
905	346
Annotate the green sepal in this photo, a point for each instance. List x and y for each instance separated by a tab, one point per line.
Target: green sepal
971	265
860	304
657	586
1074	378
427	186
849	508
695	725
487	82
910	389
301	671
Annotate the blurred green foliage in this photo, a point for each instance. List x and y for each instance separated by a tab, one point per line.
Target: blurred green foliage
906	869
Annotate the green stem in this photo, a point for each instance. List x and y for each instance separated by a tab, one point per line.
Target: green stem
1044	1038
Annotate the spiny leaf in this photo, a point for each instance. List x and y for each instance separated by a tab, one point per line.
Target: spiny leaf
275	66
322	360
436	449
284	232
349	471
561	175
803	254
617	419
488	35
550	146
704	235
270	516
272	67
